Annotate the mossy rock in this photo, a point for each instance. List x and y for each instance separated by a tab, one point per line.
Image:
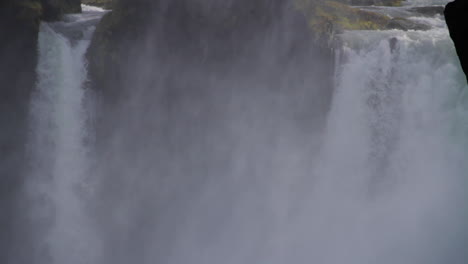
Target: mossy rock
29	11
106	4
55	9
24	12
327	18
428	11
35	10
376	2
405	24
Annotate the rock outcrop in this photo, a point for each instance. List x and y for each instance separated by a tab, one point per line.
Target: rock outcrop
216	33
19	25
376	2
106	4
340	15
55	9
216	30
428	11
455	15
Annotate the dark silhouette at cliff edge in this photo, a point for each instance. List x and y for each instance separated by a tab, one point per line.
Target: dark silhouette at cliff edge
457	22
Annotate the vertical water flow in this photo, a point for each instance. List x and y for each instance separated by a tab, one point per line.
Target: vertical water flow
59	153
393	165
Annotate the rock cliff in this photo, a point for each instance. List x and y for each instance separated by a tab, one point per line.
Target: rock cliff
19	25
455	16
215	35
55	9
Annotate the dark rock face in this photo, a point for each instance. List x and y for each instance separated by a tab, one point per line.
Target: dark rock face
405	24
220	37
213	32
455	15
428	11
19	25
107	4
54	9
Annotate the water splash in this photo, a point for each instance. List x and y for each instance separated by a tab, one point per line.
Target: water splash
60	156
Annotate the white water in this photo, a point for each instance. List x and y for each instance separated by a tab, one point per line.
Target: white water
426	2
59	150
392	170
387	187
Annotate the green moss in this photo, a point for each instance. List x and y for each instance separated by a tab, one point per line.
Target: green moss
397	3
31	4
107	4
347	17
30	11
328	17
377	2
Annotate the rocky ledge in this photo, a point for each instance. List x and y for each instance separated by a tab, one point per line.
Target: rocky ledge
329	17
106	4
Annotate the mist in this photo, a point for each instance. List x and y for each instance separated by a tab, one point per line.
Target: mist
208	131
212	140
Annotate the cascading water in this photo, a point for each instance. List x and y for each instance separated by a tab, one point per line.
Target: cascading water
387	184
392	169
58	143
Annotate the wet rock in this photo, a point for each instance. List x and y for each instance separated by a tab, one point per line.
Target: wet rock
326	15
19	26
107	4
55	9
344	17
215	32
406	24
376	2
428	11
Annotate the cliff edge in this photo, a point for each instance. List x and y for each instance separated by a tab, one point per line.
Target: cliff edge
455	16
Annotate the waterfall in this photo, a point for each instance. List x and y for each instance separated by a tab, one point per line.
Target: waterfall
232	175
392	167
426	2
59	142
388	185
